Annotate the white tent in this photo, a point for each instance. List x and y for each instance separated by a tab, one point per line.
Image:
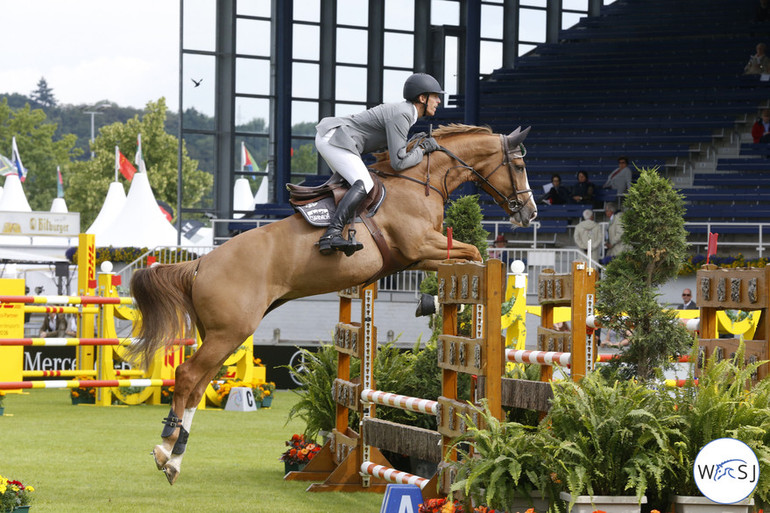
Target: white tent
13	198
260	197
59	206
242	198
113	204
140	222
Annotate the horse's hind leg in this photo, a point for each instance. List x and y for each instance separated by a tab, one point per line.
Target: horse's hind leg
192	378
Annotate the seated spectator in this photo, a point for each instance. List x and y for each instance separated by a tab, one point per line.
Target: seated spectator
557	194
54	326
497	252
587	231
72	327
758	63
583	190
620	178
760	131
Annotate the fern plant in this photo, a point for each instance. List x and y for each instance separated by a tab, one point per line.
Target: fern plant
315	377
724	404
499	463
610	437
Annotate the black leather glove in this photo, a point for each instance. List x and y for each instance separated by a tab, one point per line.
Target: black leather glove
429	145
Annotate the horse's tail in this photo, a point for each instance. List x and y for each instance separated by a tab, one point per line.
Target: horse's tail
163	295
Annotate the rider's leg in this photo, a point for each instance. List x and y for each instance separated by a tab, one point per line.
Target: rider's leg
352	169
332	240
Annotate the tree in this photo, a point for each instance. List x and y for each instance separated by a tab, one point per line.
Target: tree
39	152
90	180
653	229
43	95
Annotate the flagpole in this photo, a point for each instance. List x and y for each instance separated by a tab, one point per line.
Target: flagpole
117	162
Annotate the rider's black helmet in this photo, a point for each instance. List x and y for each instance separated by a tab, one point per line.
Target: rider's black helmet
421	83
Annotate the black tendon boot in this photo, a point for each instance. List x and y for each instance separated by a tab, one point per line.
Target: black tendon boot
332	240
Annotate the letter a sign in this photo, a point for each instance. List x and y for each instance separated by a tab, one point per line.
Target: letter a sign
401	498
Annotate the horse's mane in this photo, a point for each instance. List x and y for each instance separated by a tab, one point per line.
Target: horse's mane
443	131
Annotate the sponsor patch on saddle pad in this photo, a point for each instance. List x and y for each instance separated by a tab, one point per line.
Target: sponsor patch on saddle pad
319	213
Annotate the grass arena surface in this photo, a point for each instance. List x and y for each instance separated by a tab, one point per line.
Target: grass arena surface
88	459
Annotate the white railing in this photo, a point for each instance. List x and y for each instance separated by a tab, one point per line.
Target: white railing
757	244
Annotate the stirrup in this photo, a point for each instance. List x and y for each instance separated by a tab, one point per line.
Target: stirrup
351	245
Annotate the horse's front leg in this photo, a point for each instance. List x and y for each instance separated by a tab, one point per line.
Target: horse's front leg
433	249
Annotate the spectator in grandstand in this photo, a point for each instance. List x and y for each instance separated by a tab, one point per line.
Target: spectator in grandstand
614	243
587	231
687	301
760	131
499	243
620	179
557	194
758	63
583	190
54	325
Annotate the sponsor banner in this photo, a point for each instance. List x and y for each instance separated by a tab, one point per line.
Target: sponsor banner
33	224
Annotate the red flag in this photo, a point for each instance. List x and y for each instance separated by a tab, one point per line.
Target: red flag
127	169
712	249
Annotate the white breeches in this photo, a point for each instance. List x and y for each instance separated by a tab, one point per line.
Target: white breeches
343	162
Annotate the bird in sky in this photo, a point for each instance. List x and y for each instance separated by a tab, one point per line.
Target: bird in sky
196	82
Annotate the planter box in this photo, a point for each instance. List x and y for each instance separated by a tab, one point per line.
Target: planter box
267	401
607	503
698	504
538	502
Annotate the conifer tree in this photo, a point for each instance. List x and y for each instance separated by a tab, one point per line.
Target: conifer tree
653	230
43	95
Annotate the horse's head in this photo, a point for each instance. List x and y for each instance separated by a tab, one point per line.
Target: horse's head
507	182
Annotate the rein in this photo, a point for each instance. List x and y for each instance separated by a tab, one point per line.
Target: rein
513	202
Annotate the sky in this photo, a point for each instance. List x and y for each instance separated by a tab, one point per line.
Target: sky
92	50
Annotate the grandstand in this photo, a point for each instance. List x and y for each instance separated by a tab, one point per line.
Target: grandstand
658	81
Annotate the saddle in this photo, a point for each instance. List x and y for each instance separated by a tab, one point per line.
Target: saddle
317	205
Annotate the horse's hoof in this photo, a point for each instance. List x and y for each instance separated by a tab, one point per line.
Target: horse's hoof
171	473
161	456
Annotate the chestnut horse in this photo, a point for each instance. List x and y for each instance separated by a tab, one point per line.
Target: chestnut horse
227	292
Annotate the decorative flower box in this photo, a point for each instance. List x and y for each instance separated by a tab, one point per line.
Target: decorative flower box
292	467
699	504
606	503
267	401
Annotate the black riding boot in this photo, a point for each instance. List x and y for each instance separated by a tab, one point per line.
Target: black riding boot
332	240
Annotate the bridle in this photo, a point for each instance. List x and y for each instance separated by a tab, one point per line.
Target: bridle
509	154
512	201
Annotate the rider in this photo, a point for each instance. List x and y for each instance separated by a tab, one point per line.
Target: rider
342	140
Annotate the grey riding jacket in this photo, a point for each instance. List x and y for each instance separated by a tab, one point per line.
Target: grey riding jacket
381	127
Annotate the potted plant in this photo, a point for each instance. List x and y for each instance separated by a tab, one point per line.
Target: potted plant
14	496
723	404
268	392
607	442
299	453
499	465
315	376
81	394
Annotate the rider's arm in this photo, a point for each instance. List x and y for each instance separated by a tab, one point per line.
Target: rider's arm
397	130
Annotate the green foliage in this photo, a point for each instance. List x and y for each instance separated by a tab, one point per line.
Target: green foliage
626	297
722	406
90	180
39	152
498	462
43	95
464	216
315	405
653	228
605	437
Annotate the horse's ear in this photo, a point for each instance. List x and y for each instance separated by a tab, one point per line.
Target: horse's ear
517	136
